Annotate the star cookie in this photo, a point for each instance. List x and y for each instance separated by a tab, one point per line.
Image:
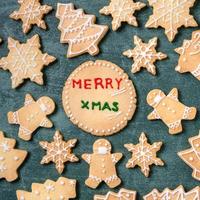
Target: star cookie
79	30
102	165
171	15
189	60
191	156
25	61
59	151
10	158
144	55
144	155
31	12
32	115
169	109
123	194
62	189
122	11
177	194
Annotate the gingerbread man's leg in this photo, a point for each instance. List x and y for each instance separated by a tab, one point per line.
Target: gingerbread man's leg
190	113
175	129
113	181
24	133
93	182
196	174
13	118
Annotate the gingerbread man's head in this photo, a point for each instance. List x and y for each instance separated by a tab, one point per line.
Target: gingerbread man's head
46	104
102	146
154	97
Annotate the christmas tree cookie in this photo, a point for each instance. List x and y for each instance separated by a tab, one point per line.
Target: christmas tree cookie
79	30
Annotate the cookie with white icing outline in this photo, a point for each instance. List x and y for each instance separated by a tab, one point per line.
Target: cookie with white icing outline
99	98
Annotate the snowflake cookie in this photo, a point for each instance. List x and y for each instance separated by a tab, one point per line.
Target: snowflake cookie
31	12
123	194
177	194
191	156
102	165
10	158
144	55
25	61
169	109
189	60
79	30
59	151
144	154
122	11
32	115
171	15
62	189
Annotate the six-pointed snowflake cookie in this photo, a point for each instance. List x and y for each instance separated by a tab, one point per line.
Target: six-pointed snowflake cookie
177	194
59	151
189	60
122	11
79	30
171	15
32	115
25	61
102	165
191	156
10	158
62	189
123	194
31	12
144	55
144	154
169	109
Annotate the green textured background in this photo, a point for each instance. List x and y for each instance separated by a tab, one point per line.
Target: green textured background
174	173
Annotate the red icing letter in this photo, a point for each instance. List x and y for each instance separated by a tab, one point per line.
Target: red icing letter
74	83
108	83
87	83
98	82
118	83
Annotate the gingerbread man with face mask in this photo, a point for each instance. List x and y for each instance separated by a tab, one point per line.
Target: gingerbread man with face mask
102	165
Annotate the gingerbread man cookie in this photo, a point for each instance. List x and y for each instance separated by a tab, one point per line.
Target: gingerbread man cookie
31	12
169	109
32	115
189	60
191	156
102	165
10	158
62	189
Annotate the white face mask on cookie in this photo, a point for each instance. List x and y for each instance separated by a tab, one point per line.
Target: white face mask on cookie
102	150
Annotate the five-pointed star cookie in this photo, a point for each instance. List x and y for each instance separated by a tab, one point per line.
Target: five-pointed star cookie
122	11
144	154
59	151
171	15
191	156
144	55
10	158
31	12
25	61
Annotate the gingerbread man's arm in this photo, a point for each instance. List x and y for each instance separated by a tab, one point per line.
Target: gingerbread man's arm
116	157
173	94
87	157
28	99
153	115
46	123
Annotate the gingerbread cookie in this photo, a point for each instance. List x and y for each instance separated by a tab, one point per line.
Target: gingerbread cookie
10	158
169	109
102	165
79	30
144	154
189	60
144	55
59	151
123	194
25	61
191	156
32	115
122	11
177	194
171	15
62	189
31	12
99	98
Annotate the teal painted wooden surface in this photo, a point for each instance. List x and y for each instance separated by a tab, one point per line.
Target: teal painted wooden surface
174	172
